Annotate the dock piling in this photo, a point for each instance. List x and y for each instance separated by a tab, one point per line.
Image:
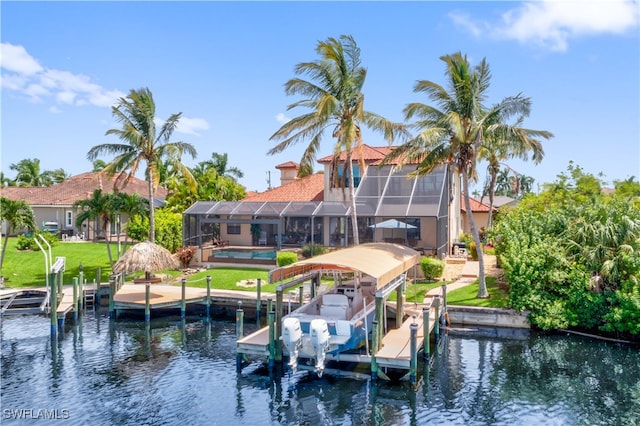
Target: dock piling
81	287
436	325
426	311
444	304
239	333
183	302
75	300
413	360
374	349
208	300
272	333
147	302
258	299
53	304
112	292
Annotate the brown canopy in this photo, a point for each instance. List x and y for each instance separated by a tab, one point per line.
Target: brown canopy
147	257
382	261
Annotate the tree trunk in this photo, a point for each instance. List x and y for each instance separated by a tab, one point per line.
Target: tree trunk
4	247
492	187
152	218
354	214
482	284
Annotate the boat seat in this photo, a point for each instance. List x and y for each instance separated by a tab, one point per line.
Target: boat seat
335	306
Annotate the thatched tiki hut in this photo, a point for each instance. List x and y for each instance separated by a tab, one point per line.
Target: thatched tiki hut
147	257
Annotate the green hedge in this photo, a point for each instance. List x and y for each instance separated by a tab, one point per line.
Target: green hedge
284	258
432	268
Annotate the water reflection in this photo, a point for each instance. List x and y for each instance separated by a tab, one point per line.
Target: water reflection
173	370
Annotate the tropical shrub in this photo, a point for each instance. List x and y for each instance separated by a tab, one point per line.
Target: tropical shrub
316	249
284	258
572	260
432	268
185	255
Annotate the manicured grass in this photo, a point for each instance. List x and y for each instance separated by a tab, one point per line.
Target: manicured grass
226	278
466	296
415	292
27	268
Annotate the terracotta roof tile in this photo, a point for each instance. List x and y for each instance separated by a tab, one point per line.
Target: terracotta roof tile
368	153
288	165
476	206
310	188
75	188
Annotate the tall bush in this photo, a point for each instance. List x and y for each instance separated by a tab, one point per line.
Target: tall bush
432	268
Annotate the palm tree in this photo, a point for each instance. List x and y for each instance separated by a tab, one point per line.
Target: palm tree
142	144
16	214
29	174
99	208
504	141
131	205
219	162
333	94
452	132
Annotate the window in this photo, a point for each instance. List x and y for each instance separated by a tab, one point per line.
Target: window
233	228
356	176
68	219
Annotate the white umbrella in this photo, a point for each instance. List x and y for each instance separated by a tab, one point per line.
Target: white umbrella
393	224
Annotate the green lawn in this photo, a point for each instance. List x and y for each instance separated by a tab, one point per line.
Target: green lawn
415	291
226	278
27	268
466	296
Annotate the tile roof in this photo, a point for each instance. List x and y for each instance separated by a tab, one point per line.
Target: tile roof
476	206
368	153
288	165
75	188
310	188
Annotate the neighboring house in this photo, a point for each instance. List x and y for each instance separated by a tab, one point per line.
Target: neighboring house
306	210
54	204
480	209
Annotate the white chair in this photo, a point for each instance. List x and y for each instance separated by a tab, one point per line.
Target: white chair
262	241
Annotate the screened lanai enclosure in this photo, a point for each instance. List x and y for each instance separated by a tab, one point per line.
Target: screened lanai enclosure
422	204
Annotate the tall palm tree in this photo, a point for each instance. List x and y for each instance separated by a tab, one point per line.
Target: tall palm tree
452	132
131	205
16	214
333	95
99	208
142	144
504	141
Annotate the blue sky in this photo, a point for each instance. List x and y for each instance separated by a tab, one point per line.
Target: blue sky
224	64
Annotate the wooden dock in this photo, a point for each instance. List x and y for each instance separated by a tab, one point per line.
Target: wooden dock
132	296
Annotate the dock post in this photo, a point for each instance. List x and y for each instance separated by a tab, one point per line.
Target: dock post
96	301
112	304
147	302
81	288
272	332
413	360
379	316
208	301
374	349
399	306
258	299
59	281
278	324
53	304
426	320
300	295
183	303
444	304
269	305
75	300
436	324
239	333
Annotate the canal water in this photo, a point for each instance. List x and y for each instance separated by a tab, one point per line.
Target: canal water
101	372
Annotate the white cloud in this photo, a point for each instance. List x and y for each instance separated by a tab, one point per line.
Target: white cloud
553	23
23	74
16	59
282	119
191	126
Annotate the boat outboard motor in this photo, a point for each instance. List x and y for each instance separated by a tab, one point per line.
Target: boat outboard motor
292	339
320	341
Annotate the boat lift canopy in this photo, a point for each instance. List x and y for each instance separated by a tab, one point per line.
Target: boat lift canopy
381	261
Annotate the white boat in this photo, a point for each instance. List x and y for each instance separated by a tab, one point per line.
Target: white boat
339	320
